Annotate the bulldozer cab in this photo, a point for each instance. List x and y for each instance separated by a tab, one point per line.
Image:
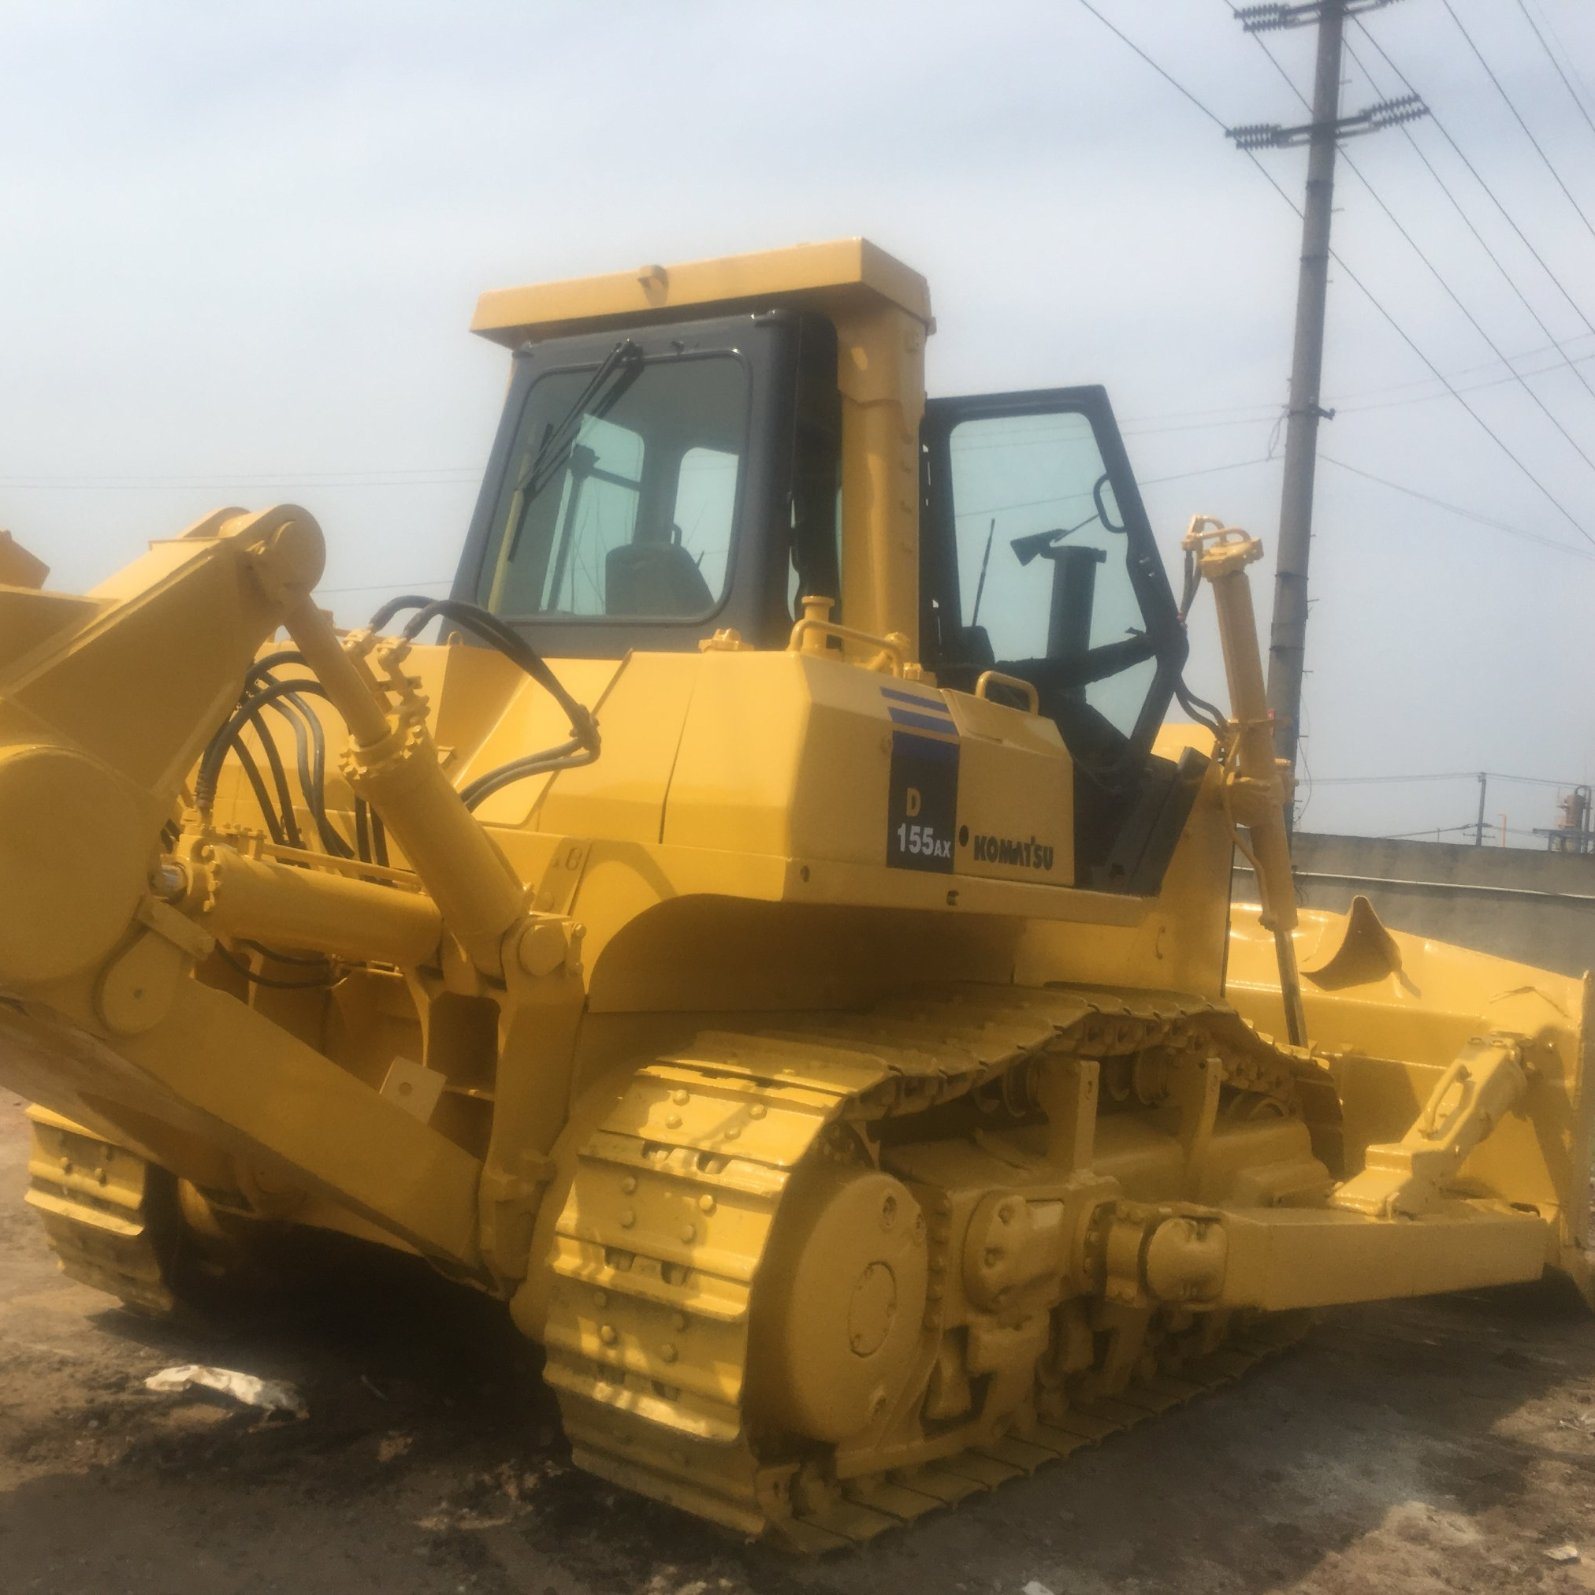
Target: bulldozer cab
658	481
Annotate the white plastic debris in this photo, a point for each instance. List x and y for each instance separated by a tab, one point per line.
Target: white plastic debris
1035	1587
1562	1553
270	1395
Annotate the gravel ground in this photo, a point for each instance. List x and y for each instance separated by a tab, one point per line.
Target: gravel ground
1443	1446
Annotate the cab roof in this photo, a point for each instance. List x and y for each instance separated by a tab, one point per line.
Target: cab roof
826	277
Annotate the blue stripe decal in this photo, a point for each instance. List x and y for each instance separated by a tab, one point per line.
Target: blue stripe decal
922	722
930	705
937	750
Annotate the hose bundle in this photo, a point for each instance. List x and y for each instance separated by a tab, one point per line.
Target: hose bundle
583	744
264	689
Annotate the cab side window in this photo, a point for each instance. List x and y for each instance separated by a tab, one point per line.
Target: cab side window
1043	557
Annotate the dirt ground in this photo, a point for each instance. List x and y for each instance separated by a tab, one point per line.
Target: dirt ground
1439	1446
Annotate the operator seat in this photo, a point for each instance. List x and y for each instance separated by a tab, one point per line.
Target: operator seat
660	580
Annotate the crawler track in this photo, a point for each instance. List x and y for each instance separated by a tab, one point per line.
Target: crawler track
661	1238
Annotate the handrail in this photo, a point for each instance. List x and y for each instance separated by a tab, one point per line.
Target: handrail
996	678
810	634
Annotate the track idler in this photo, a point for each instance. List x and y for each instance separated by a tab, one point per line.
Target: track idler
841	1303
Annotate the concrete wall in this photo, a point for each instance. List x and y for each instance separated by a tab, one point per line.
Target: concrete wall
1538	907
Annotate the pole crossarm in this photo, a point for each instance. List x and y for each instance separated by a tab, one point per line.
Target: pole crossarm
1386	113
1264	18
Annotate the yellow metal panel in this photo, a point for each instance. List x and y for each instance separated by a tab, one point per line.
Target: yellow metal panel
752	729
1015	794
528	719
1173	942
1284	1258
275	1100
640	717
791	754
832	270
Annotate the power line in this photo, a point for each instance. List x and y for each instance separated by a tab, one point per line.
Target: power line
1435	831
1256	414
1473	320
1458	509
1366	291
1483	425
1251	414
1567	55
1434	271
1206	470
1549	56
1483	365
1249	410
1144	481
1132	431
1173	82
1429	398
211	477
1478	177
223	484
1527	131
1442	775
1484	244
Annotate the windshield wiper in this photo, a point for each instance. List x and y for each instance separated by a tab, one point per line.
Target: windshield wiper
616	372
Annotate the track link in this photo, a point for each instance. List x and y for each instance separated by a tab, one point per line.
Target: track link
661	1237
104	1212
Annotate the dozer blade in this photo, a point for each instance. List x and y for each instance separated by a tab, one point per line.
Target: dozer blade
1391	1013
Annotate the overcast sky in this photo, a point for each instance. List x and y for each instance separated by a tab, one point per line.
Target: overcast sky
242	246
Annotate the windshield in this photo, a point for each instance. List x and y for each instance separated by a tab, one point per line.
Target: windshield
622	491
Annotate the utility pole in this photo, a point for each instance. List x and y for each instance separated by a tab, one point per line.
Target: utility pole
1478	829
1322	135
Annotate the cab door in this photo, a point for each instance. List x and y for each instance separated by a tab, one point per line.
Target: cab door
1038	561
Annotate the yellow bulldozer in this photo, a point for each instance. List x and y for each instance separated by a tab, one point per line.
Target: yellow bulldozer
775	940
